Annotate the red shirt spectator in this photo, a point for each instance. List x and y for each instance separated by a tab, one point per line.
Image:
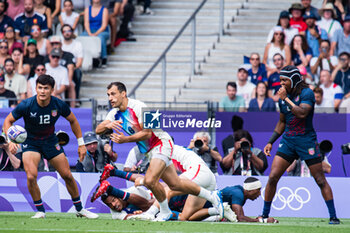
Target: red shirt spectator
297	11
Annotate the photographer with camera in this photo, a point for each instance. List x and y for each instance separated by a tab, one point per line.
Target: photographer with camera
8	161
200	145
245	159
99	153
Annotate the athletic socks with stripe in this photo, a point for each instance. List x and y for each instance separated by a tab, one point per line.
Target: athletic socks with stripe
39	205
118	193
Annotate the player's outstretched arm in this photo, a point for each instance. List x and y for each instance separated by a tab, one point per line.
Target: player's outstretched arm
279	129
119	137
74	124
107	125
240	214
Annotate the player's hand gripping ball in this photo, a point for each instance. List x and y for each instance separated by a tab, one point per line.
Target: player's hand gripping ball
17	134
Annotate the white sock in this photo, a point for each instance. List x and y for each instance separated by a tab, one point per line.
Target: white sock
164	207
153	210
214	218
203	193
213	211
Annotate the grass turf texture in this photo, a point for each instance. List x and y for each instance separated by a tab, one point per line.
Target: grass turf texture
64	222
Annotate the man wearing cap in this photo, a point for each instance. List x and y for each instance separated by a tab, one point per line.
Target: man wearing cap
14	81
96	158
341	39
299	140
328	22
32	58
308	9
297	11
314	34
25	20
4	103
58	72
66	60
245	88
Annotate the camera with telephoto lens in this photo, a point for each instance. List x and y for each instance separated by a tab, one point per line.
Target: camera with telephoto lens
63	138
245	145
198	143
345	148
106	137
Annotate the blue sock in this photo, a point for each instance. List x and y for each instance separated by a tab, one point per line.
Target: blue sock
39	205
175	215
331	209
267	208
77	203
118	193
121	174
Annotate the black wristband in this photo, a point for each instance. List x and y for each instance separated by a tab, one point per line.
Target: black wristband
274	137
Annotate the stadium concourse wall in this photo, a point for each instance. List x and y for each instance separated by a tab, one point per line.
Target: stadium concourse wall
295	196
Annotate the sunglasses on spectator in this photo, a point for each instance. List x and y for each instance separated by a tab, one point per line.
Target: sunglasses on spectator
3	40
254	58
35	30
277	59
4	47
9	30
55	57
279	34
343	59
65	31
40	70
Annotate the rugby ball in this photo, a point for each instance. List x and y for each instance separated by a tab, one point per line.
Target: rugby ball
17	134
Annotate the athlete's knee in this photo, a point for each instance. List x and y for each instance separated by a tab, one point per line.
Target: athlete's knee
31	179
321	181
150	182
67	177
273	179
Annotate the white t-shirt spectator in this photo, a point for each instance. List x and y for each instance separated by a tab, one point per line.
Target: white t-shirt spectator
331	93
289	34
325	65
70	19
17	84
60	74
75	48
246	91
330	26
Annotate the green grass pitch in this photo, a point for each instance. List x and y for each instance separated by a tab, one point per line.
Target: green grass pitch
64	222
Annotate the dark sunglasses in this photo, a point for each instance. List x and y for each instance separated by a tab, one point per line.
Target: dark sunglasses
4	47
65	31
55	57
40	70
277	59
254	59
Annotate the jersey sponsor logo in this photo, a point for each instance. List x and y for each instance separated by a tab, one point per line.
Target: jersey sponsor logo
58	147
311	151
35	21
25	145
280	145
296	99
33	114
54	112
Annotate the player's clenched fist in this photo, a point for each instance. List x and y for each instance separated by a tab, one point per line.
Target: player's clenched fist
267	149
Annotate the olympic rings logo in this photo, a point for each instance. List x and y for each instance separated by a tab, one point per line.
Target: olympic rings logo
286	201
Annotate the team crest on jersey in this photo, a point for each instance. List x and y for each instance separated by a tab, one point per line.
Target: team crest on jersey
54	113
311	151
35	21
296	99
58	147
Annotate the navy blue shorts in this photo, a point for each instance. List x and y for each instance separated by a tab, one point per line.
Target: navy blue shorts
47	148
303	147
177	203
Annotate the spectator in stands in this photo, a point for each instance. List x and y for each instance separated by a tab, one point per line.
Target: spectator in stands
146	7
257	73
301	53
261	103
320	106
308	9
55	7
245	159
127	14
324	61
289	31
25	20
228	143
95	23
32	58
276	45
5	103
299	168
66	60
232	102
31	83
5	20
4	51
341	76
245	88
341	10
70	45
96	157
8	161
328	21
40	8
136	161
79	5
297	10
14	81
210	155
341	39
12	42
274	77
114	9
69	16
17	57
15	8
58	72
314	34
43	45
332	93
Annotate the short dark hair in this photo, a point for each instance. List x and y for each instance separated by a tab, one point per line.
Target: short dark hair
250	180
17	49
327	41
318	90
121	87
278	54
46	79
9	60
6	5
232	84
71	2
238	135
104	197
66	25
344	53
39	64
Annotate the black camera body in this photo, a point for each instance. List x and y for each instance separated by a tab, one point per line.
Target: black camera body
245	145
345	148
198	143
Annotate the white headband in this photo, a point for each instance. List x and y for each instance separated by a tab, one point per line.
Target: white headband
252	186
